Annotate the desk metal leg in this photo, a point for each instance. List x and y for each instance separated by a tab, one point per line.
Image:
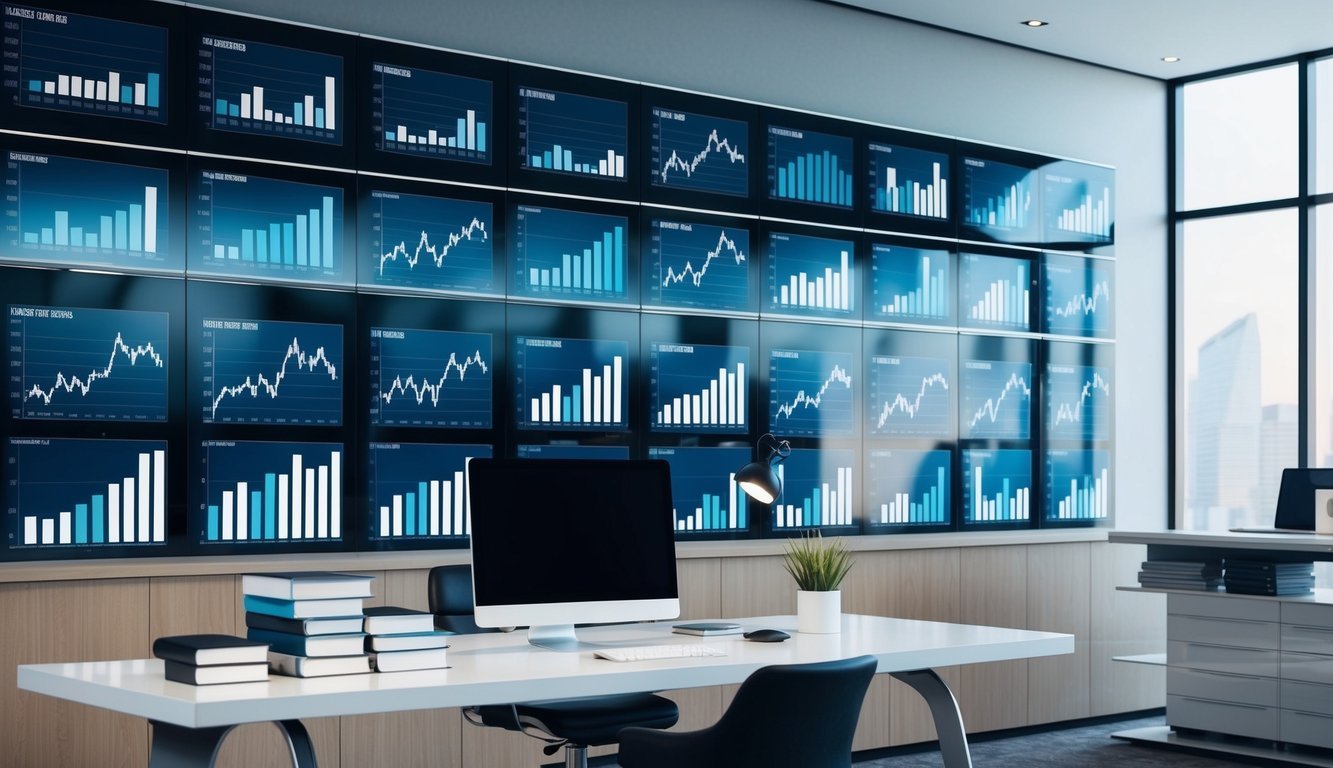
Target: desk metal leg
175	746
944	710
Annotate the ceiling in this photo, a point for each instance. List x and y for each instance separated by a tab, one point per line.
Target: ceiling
1134	35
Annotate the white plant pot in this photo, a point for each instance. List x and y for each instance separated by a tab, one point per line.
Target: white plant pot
819	613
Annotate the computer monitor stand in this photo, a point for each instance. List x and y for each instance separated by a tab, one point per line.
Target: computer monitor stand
556	637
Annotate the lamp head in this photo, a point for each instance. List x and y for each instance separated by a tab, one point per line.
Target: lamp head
760	479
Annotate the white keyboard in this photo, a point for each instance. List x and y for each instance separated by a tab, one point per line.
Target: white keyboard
653	652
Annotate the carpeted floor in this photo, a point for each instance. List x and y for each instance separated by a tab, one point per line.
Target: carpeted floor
1089	746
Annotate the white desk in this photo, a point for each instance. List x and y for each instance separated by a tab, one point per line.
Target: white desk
190	722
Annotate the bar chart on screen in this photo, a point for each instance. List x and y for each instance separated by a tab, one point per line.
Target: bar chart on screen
571	383
269	492
271	90
424	378
908	487
1078	484
995	292
1078	202
817	489
88	364
420	490
999	199
699	388
693	264
271	372
425	113
704	493
429	243
997	486
71	62
86	492
571	133
996	399
267	229
811	275
810	392
76	212
909	181
910	285
572	255
1078	401
702	153
810	167
910	396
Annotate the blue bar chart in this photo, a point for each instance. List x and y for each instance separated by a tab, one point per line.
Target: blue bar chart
86	493
561	451
272	90
570	254
1078	299
571	383
910	396
426	113
996	399
267	229
1078	401
998	196
909	181
420	490
809	167
88	364
73	212
429	243
84	64
699	265
256	492
1078	485
701	153
1078	202
704	493
810	393
997	486
910	284
909	487
817	489
995	291
699	388
422	378
271	372
573	134
810	274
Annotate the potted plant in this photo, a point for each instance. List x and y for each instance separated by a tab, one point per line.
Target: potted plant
818	565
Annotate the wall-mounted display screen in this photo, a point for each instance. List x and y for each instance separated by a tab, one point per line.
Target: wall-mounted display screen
700	153
1076	295
909	182
271	372
419	491
995	292
425	378
694	262
810	275
809	167
571	383
997	487
426	113
1078	485
819	490
910	284
705	496
572	133
572	451
564	254
270	493
699	388
1078	397
909	488
1078	204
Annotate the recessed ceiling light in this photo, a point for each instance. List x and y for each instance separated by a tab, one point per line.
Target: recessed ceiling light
1034	23
1170	59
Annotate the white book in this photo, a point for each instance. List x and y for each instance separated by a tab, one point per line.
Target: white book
403	661
322	666
308	585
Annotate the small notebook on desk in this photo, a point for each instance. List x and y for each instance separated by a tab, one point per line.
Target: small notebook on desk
707	628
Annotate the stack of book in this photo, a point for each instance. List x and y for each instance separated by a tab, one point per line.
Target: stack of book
212	659
312	621
401	639
1204	575
1260	577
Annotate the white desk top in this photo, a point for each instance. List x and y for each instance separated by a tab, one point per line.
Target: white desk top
502	668
1311	543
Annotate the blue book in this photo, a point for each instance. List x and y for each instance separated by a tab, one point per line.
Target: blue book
317	645
305	609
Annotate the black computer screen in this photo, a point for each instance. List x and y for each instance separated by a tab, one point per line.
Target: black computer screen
571	531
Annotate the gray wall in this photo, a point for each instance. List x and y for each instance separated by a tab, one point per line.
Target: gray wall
826	58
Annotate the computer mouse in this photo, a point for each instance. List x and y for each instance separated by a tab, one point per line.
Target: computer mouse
766	635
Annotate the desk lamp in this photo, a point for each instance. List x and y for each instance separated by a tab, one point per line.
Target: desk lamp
760	479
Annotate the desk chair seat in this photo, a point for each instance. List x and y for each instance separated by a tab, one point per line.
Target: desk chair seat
791	716
574	724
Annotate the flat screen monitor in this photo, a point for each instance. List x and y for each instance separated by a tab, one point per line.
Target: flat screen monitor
560	542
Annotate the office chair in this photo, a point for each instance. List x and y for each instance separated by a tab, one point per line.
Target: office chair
787	716
574	724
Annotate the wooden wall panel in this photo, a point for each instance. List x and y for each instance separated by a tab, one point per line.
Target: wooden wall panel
756	586
924	585
1059	591
995	593
1123	624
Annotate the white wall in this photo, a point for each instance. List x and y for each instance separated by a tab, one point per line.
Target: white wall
827	58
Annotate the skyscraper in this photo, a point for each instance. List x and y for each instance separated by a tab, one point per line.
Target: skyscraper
1224	418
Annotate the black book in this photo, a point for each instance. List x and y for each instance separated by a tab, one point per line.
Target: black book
1268	567
206	650
333	625
215	673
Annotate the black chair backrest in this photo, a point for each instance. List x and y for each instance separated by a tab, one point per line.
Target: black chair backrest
798	714
449	592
